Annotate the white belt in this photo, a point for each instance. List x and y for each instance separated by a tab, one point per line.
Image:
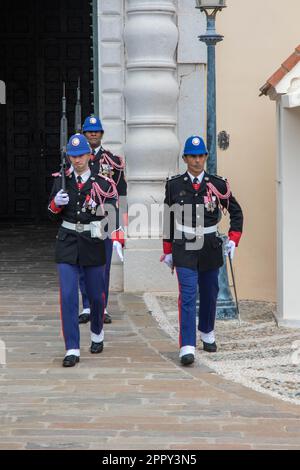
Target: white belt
76	227
196	231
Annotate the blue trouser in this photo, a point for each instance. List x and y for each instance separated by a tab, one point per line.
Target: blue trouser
108	253
84	296
189	280
68	279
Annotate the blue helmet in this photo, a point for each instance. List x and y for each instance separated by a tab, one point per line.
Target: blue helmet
78	146
92	124
195	146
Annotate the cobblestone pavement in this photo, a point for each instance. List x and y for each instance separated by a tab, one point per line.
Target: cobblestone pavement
133	396
257	353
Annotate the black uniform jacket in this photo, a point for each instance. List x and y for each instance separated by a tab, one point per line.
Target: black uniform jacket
180	190
74	247
98	166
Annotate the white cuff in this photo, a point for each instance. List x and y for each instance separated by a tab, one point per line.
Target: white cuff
97	338
208	338
187	350
73	352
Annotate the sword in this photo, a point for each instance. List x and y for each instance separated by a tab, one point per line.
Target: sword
235	291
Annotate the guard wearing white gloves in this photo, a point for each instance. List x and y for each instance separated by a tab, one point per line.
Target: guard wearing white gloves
105	163
192	245
80	244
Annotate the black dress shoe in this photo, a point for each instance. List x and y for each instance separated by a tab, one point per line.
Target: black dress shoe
210	348
187	360
107	319
84	318
96	348
70	361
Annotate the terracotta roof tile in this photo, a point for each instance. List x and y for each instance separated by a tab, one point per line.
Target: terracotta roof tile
285	68
277	76
293	60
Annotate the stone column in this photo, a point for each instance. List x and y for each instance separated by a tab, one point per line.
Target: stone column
152	146
111	83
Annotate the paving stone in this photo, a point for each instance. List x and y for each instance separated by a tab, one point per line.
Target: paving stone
135	395
256	353
58	446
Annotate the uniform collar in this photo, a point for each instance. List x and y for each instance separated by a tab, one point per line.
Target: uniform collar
85	176
97	150
199	177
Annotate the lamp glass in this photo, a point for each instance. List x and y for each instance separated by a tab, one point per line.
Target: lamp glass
210	4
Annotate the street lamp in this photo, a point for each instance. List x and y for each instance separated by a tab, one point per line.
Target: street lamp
210	4
211	38
225	306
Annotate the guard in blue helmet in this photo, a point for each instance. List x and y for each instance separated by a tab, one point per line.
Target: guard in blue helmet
92	124
193	247
105	163
195	146
78	146
80	244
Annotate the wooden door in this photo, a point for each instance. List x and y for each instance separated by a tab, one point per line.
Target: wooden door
42	44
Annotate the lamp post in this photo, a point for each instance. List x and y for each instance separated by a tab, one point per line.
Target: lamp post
211	38
226	308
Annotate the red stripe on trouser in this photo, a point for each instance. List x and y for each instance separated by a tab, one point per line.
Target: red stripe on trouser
179	310
104	303
61	316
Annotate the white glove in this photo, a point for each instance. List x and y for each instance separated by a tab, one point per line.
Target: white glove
230	249
117	246
61	199
168	260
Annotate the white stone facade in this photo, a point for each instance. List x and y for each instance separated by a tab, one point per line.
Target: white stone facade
111	71
111	86
287	96
191	65
152	88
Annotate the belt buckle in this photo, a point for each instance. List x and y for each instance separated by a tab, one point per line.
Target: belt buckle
199	231
79	228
